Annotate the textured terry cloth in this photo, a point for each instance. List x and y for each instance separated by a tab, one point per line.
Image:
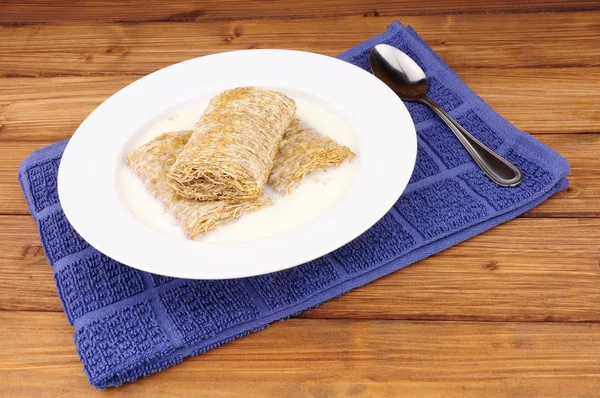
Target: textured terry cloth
130	323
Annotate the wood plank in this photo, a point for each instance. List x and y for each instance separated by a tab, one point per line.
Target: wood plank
469	40
51	109
300	358
525	270
537	100
47	11
582	197
540	100
580	200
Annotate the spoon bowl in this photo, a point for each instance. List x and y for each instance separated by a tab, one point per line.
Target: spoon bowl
399	71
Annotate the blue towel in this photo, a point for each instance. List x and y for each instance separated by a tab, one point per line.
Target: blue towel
130	323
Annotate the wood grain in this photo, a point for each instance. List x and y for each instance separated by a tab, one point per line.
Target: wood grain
312	358
48	11
51	109
482	41
525	270
582	197
580	200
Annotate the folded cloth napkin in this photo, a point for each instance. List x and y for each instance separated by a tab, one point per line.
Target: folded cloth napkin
130	323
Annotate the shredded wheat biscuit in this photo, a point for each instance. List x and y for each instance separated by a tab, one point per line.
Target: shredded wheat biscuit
302	151
231	152
151	161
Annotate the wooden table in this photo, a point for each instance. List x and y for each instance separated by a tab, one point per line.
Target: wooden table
514	311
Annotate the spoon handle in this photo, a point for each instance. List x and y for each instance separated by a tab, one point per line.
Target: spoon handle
500	170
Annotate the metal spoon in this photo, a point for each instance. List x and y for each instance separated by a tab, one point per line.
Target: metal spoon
407	79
